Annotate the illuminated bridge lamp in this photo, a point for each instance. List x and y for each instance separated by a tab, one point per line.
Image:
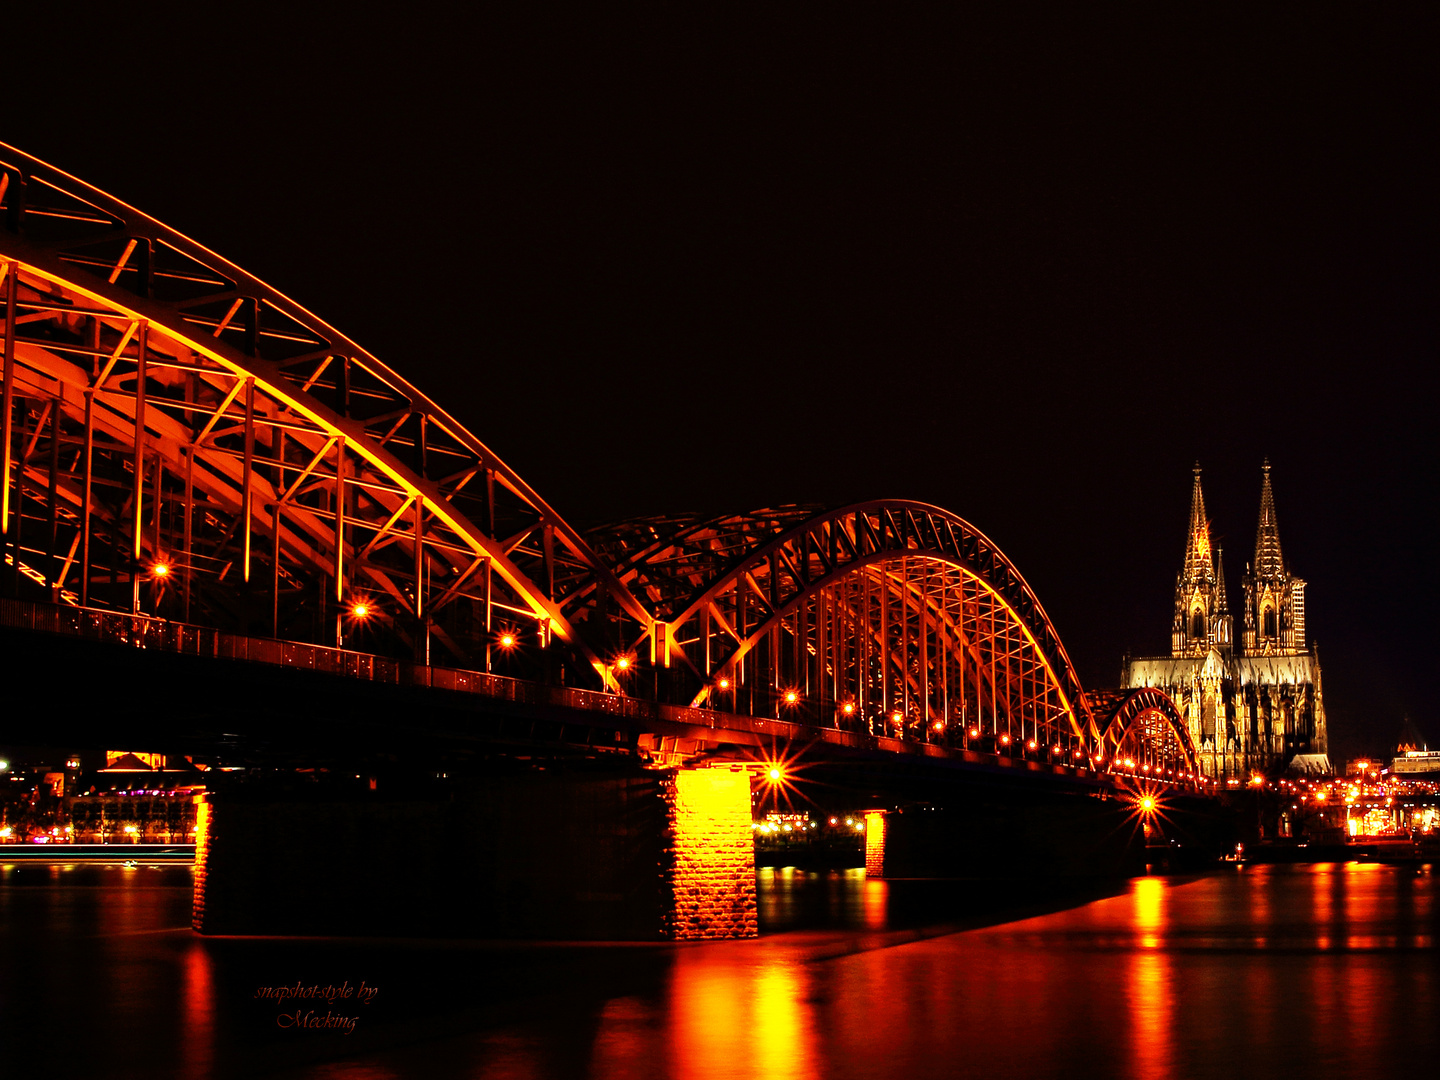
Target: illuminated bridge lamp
1004	740
507	641
775	774
897	717
939	725
724	683
791	697
974	733
848	708
1031	744
1147	804
360	610
622	664
161	570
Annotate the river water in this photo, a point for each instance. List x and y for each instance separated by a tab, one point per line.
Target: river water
1304	971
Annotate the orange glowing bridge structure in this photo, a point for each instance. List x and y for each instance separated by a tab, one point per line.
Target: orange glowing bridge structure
182	443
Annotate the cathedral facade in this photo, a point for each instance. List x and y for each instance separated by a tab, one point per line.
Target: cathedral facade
1251	698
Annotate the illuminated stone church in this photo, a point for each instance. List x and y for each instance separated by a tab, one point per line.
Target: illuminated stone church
1252	698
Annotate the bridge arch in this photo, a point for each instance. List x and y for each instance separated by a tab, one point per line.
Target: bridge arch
182	440
1142	733
894	616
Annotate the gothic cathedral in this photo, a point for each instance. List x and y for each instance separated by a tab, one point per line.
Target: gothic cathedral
1253	699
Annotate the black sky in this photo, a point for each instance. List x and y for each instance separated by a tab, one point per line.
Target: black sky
1027	270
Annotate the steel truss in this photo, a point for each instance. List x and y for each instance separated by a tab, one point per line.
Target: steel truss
180	439
1143	734
893	617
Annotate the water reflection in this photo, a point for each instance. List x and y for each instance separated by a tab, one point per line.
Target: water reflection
739	1011
1148	894
877	902
1314	970
625	1036
707	1007
783	1040
788	898
1325	883
1150	1000
197	998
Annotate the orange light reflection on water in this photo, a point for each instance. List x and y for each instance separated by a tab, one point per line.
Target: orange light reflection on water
1150	994
1149	913
746	1016
1322	904
197	1032
876	900
1361	908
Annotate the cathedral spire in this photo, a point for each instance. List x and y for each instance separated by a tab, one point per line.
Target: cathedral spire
1193	631
1274	598
1269	563
1224	625
1198	564
1221	606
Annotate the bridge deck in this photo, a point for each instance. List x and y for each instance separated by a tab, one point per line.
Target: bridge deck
678	731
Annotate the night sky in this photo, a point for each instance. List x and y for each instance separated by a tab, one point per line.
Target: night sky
1027	270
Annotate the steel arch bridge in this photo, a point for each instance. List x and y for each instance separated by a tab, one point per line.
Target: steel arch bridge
183	442
892	616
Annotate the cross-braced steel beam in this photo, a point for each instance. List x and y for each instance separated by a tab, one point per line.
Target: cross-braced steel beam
181	439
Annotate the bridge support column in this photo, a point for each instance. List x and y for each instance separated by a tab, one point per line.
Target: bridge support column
875	825
629	854
710	871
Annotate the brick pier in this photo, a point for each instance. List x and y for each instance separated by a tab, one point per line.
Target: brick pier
712	855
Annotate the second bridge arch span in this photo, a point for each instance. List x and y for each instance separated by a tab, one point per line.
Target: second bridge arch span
894	616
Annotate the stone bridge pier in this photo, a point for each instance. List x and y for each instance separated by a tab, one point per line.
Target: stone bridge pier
584	854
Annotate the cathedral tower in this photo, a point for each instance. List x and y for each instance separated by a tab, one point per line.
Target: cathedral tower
1202	618
1274	598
